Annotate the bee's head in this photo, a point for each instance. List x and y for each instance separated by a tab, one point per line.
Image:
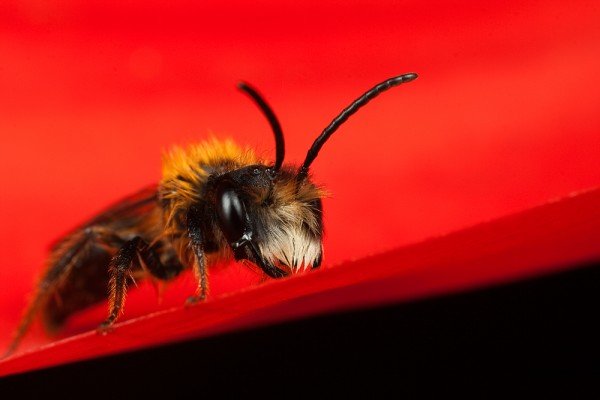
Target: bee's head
270	218
272	215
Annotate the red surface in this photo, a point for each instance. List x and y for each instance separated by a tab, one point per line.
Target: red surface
543	239
504	115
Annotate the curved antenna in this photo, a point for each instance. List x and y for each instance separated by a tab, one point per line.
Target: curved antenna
346	113
270	115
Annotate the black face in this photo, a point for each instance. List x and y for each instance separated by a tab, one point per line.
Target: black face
234	219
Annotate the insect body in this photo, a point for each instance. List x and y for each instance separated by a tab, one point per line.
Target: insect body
215	201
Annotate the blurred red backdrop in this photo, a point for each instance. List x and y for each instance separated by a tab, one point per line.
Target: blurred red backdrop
504	115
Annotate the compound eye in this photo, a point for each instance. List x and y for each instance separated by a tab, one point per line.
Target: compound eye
231	212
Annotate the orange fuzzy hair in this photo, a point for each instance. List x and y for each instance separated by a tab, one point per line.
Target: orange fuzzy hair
187	169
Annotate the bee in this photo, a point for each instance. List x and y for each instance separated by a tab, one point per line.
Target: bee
216	201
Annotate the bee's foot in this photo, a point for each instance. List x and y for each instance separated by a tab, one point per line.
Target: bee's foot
105	328
6	354
193	300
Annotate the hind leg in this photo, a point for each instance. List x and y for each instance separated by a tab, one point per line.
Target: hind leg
70	254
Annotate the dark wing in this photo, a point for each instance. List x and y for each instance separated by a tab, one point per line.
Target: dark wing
76	271
124	214
76	274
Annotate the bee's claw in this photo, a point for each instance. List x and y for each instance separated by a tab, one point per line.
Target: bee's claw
280	273
193	300
6	354
105	328
275	272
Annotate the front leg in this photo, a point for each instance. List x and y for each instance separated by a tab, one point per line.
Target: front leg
264	264
197	246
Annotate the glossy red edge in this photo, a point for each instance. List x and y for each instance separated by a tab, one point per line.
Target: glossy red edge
553	236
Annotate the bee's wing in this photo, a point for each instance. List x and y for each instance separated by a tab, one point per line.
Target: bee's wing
76	272
122	215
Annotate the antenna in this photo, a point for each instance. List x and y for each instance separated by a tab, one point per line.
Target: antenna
270	115
345	114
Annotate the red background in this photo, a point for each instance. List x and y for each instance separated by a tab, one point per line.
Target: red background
504	115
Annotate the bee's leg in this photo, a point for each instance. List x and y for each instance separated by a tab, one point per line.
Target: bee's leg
317	205
196	242
270	269
317	263
150	262
67	256
119	271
